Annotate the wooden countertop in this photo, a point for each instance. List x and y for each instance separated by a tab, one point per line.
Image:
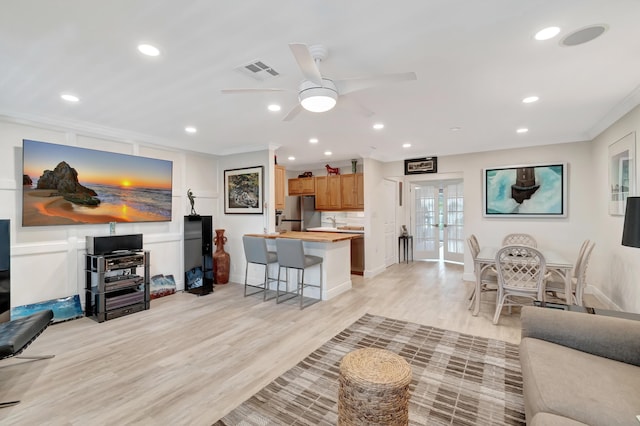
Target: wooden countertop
313	237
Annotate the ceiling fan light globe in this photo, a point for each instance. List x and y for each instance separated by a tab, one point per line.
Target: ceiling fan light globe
317	103
316	98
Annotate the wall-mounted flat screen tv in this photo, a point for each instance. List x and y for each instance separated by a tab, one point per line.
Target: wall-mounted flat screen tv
68	185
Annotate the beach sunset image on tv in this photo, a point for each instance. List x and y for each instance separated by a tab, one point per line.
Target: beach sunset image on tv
67	185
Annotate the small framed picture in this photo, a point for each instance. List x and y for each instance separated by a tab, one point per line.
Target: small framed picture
418	166
243	191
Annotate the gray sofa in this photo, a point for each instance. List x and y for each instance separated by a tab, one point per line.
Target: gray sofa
579	368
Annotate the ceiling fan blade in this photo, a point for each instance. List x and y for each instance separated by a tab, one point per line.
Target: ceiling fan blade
239	91
306	62
293	113
351	103
361	83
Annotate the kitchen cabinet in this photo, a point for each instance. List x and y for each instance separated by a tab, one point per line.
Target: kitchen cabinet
280	176
357	256
302	186
352	191
328	193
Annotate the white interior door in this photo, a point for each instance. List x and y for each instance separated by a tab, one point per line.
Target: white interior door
425	211
390	228
453	214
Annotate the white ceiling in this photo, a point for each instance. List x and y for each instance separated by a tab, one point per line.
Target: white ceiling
475	61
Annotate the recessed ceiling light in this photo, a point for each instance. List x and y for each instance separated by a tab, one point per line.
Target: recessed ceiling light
328	153
378	126
455	129
547	33
274	108
190	129
149	50
530	99
313	140
291	158
406	145
522	130
70	98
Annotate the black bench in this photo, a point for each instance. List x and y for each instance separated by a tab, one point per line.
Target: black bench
16	335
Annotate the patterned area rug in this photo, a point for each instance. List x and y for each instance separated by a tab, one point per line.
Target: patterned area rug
458	379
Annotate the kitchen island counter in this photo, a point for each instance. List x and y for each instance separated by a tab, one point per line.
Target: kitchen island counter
316	237
335	250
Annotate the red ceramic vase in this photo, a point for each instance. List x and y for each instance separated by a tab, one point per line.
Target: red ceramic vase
221	259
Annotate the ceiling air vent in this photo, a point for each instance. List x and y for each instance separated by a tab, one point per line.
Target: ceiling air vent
258	70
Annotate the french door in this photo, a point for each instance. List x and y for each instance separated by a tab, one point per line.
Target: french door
437	216
390	194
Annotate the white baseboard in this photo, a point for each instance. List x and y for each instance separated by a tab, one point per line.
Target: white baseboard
469	276
595	291
370	273
336	290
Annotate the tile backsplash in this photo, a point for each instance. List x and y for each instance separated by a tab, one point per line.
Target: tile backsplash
342	218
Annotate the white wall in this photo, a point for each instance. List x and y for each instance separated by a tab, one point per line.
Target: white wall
617	269
374	242
48	262
236	225
564	235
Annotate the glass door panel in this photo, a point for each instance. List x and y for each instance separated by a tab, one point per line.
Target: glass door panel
453	227
426	209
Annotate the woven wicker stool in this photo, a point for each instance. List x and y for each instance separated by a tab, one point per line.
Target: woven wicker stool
374	388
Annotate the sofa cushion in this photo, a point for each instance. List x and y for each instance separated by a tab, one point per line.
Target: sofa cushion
586	388
547	419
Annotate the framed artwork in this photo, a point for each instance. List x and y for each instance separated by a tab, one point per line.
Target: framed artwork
69	185
534	190
418	166
243	190
622	177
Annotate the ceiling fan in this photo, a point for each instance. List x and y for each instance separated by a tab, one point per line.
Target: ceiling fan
319	94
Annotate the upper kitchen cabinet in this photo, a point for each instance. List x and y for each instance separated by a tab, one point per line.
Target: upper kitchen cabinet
280	174
352	191
302	186
328	192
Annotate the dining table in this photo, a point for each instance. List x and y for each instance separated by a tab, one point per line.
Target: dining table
486	259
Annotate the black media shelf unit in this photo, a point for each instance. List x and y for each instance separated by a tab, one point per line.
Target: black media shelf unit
113	286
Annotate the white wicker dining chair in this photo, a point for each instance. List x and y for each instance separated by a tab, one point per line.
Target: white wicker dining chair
555	283
521	272
489	276
519	239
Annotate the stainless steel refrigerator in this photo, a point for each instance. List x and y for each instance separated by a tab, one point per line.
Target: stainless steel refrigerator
299	214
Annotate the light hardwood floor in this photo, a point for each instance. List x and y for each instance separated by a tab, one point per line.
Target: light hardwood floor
189	360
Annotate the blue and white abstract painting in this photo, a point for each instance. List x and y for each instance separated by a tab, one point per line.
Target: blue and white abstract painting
547	200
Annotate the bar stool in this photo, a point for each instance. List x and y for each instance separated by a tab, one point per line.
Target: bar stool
291	255
255	250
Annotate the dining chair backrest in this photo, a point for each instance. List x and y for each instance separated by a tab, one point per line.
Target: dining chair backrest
474	245
583	261
520	239
521	267
581	253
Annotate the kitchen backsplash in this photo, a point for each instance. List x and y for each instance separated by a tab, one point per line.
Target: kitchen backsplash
342	218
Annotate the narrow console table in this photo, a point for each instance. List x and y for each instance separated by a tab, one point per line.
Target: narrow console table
406	242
